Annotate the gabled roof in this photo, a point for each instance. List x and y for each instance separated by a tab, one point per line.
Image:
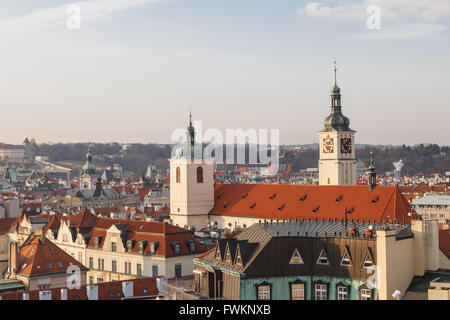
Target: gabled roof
39	256
276	201
84	219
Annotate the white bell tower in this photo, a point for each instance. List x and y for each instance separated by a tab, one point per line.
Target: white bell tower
191	185
337	162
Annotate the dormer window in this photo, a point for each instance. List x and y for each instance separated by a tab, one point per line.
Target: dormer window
228	256
129	245
238	258
96	243
192	246
177	249
345	260
323	259
141	247
113	246
296	258
153	247
367	261
273	196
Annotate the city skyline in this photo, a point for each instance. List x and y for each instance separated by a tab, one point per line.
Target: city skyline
135	67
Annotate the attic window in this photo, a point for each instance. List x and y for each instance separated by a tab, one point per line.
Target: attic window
218	254
302	199
339	198
245	195
145	291
253	205
59	264
323	259
219	195
273	196
49	266
281	208
367	261
228	257
375	200
226	204
296	258
316	209
345	260
238	258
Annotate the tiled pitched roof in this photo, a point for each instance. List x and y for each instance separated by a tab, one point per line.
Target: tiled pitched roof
444	241
84	219
276	201
147	232
6	224
253	239
39	256
106	291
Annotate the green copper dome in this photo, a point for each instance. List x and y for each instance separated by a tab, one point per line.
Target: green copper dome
335	90
89	168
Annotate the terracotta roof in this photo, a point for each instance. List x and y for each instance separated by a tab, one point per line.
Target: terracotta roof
106	291
6	224
444	241
276	201
148	232
39	256
83	219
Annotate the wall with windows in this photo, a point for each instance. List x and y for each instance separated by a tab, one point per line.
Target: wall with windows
304	288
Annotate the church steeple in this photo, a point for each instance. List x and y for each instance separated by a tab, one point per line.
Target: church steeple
336	121
372	174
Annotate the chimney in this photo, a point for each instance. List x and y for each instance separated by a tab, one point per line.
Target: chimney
13	257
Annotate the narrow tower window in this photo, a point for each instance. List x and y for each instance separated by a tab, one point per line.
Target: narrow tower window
199	175
178	175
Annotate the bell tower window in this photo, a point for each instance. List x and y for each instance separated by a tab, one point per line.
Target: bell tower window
199	175
178	175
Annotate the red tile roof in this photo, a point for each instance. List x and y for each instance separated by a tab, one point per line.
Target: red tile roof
141	287
444	241
6	224
83	219
39	256
277	201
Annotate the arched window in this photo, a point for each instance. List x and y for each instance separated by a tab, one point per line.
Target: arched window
178	175
199	175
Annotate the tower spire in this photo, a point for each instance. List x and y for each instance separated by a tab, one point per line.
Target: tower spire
335	73
372	174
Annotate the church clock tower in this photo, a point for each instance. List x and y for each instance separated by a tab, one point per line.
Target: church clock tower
337	163
191	184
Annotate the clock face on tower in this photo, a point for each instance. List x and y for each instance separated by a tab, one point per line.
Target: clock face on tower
346	145
328	145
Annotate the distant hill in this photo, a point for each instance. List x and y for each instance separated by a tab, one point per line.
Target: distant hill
422	158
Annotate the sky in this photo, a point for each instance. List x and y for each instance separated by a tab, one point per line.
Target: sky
134	68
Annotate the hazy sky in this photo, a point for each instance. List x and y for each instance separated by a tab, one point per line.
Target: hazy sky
135	67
